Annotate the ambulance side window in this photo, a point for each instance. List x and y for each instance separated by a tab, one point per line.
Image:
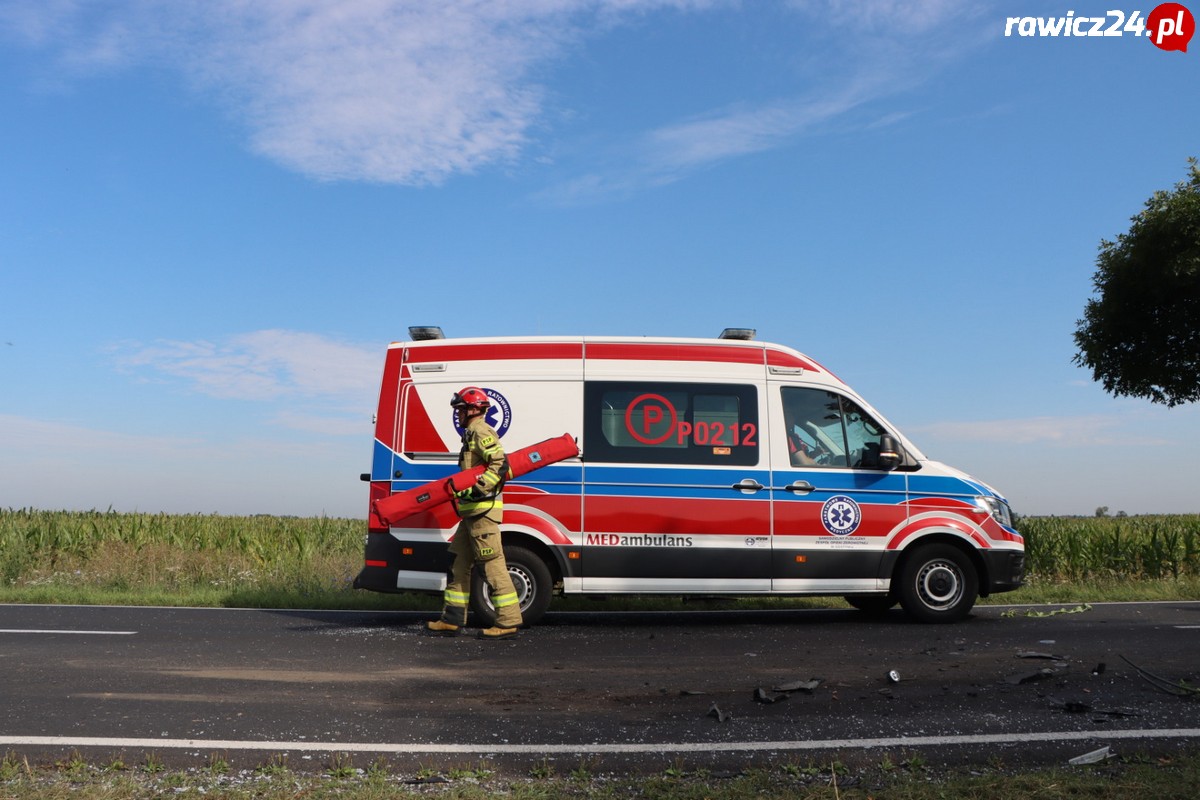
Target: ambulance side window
827	431
671	423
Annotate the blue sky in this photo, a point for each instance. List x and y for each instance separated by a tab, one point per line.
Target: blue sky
215	216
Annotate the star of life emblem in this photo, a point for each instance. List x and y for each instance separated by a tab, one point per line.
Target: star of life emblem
840	515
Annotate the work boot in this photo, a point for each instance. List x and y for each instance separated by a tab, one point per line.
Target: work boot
439	628
498	633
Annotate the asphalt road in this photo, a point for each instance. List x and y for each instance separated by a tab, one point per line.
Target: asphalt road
628	689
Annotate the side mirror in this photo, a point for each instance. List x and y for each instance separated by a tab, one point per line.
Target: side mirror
889	452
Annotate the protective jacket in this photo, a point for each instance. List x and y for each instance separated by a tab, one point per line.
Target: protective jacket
481	445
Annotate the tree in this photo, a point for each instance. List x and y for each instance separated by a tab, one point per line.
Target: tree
1140	336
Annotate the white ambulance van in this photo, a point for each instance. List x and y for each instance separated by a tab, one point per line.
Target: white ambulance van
708	467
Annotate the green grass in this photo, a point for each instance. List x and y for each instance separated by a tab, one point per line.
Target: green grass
105	557
890	776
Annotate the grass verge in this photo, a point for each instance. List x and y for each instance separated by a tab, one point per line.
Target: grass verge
264	562
1173	778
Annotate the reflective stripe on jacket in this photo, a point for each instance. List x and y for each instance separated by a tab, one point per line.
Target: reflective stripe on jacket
481	445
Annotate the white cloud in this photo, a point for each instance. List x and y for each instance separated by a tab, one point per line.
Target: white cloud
887	16
413	92
1093	430
676	150
389	91
872	50
736	132
261	365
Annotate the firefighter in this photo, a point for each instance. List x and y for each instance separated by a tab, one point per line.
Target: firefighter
477	538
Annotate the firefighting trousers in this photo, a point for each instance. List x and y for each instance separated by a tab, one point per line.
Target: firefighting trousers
477	541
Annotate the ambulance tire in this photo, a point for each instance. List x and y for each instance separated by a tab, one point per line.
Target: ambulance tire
938	583
530	577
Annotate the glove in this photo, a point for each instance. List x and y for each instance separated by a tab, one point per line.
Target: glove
471	493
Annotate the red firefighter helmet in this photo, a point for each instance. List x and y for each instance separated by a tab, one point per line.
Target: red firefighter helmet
470	397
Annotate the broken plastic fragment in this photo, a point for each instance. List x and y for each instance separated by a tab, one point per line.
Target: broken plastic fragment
761	696
1070	705
715	711
1094	757
799	686
1029	677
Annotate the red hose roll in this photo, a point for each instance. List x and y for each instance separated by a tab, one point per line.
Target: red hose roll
520	462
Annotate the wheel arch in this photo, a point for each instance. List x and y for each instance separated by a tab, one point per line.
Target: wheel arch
539	533
516	537
951	537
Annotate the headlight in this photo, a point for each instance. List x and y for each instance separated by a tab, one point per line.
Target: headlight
997	508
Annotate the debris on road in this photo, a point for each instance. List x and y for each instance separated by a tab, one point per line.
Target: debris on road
1098	714
1179	688
1119	713
1094	757
1036	654
799	686
761	696
1073	706
715	711
1030	677
1012	612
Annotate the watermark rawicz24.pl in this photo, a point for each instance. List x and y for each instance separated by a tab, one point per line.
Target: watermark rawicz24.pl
1170	26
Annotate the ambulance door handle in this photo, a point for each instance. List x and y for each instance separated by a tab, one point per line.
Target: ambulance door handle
800	487
748	485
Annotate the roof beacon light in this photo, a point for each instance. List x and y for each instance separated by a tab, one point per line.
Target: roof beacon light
744	334
422	333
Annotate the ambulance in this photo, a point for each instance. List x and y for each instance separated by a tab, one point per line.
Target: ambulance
707	467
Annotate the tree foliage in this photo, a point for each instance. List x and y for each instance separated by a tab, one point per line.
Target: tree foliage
1140	334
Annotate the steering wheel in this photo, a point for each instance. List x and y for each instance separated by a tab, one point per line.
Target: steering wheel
820	452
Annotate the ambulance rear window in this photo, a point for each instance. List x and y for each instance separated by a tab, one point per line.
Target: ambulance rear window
671	423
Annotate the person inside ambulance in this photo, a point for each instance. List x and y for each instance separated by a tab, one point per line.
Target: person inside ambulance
477	538
825	430
799	449
806	413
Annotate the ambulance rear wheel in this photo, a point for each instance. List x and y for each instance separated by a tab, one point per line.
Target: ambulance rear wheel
938	583
531	580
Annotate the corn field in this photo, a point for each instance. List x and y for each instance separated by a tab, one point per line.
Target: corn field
1071	549
173	552
144	554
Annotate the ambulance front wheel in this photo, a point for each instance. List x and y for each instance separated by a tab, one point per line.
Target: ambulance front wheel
938	583
531	580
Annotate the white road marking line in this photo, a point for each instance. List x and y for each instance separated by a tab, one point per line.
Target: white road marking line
77	633
1188	627
599	748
